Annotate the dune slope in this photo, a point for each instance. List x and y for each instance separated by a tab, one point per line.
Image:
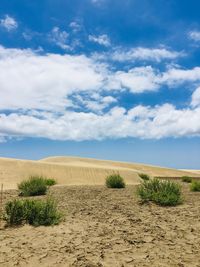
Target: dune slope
76	171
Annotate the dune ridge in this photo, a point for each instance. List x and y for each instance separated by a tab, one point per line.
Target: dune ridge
78	171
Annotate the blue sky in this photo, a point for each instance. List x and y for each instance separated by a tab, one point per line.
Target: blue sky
107	79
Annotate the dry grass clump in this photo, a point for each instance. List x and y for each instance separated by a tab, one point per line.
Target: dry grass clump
195	186
115	181
164	193
33	212
35	186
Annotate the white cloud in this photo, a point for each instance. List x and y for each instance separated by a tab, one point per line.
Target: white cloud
139	54
9	23
60	38
194	35
175	76
32	81
101	39
75	26
137	80
196	98
47	81
37	90
142	122
142	53
95	102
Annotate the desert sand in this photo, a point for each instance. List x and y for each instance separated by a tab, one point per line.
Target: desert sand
78	171
191	171
107	228
100	227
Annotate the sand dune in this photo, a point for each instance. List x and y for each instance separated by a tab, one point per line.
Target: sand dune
78	171
191	171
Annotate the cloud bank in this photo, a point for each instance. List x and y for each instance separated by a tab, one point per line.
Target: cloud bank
77	97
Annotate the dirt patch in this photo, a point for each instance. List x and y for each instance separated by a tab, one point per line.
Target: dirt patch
106	227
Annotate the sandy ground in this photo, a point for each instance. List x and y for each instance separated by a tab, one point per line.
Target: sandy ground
106	227
78	171
192	171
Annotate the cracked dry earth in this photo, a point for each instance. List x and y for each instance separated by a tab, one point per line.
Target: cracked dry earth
106	227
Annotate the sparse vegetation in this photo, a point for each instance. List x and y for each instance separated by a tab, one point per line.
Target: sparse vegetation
14	212
35	186
195	186
33	212
186	179
164	193
115	181
144	176
50	181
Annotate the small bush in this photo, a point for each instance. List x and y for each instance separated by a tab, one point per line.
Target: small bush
164	193
34	186
14	212
186	179
144	176
33	212
50	181
115	181
195	186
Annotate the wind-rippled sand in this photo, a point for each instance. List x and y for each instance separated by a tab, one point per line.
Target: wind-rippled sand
78	171
106	227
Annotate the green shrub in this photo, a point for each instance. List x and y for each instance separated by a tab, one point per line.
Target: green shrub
186	179
164	193
50	181
144	176
35	186
14	212
33	212
115	181
195	186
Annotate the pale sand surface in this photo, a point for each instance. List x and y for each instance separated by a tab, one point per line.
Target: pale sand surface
107	228
192	171
78	171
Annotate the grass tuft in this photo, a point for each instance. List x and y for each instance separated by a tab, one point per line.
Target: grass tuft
35	186
195	186
186	179
163	193
144	176
115	181
50	181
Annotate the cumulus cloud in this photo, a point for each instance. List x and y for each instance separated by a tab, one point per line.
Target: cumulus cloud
9	23
141	122
33	81
196	98
101	39
175	76
60	38
194	35
71	97
46	81
137	80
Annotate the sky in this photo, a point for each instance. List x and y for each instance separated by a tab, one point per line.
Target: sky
107	79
